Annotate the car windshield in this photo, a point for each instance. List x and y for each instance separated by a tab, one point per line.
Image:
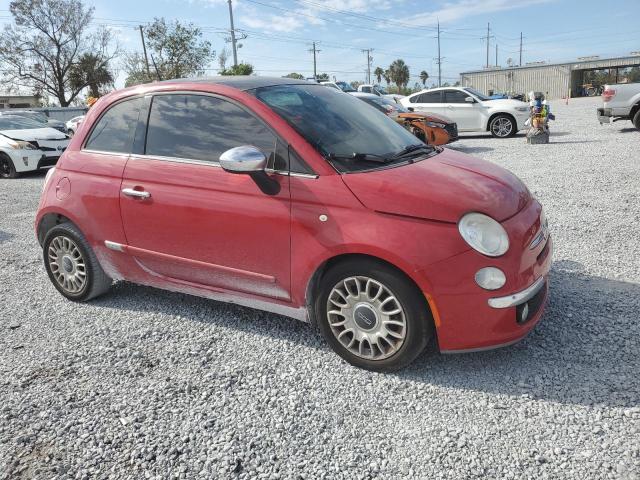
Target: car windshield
477	94
339	125
345	87
8	122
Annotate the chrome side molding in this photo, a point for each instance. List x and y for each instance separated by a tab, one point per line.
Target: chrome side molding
118	247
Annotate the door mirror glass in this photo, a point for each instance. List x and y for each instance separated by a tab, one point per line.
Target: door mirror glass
469	100
244	159
411	109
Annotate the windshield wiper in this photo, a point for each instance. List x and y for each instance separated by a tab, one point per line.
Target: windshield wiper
411	149
367	157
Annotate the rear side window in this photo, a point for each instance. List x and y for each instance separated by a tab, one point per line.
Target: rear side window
115	129
432	97
200	127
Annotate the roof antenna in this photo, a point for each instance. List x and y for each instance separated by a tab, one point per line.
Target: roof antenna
156	67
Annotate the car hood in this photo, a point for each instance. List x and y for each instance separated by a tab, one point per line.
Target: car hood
27	135
442	188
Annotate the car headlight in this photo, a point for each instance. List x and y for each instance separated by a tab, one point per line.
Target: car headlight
21	145
435	125
484	234
522	109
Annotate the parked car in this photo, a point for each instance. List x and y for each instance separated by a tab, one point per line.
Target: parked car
428	128
73	124
39	117
25	145
379	91
284	196
471	110
344	86
620	102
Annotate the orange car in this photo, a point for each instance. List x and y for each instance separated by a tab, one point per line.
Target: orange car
431	129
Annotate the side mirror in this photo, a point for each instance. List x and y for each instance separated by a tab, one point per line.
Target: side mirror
249	160
411	109
469	100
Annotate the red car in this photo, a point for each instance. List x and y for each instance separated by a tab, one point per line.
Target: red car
286	196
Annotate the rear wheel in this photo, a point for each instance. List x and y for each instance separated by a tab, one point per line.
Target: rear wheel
7	169
503	126
372	316
636	120
71	264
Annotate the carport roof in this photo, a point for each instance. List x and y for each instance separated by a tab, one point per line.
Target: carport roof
594	63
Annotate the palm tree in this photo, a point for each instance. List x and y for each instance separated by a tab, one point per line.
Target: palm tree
387	77
423	77
379	73
399	73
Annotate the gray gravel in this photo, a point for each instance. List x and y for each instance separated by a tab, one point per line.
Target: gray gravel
148	384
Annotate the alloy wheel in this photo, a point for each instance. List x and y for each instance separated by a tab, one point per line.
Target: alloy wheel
366	318
502	127
67	264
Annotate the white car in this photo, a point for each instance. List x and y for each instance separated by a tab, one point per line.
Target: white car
25	145
380	91
73	124
471	110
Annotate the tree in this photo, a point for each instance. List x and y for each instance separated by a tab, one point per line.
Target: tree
323	77
240	69
91	71
378	73
355	84
222	58
387	77
296	76
176	50
399	73
47	41
424	76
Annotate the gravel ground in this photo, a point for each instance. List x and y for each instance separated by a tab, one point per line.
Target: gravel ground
148	384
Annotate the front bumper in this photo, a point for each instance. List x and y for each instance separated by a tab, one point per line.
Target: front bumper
470	318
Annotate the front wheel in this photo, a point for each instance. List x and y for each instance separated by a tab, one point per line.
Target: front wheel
503	126
636	120
372	316
71	264
7	168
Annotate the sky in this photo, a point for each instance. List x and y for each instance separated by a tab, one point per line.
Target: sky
279	33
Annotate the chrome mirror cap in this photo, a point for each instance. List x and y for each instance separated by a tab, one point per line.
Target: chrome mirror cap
244	159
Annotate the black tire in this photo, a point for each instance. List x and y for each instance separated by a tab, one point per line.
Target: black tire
94	283
503	126
636	120
7	168
419	322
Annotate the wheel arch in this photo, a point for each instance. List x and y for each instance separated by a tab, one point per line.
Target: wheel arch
314	280
50	220
494	115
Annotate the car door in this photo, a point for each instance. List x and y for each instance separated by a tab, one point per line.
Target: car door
466	114
198	223
430	102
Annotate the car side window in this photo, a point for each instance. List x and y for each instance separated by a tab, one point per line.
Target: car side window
115	129
202	127
430	97
454	96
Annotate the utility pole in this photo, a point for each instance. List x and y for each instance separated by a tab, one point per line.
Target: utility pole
233	35
439	58
496	54
488	30
144	49
314	50
369	58
520	64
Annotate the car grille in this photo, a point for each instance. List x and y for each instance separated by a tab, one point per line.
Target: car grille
528	310
452	130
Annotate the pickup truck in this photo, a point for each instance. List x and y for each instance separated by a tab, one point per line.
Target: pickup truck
621	102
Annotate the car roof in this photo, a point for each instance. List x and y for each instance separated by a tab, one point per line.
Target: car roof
240	82
364	95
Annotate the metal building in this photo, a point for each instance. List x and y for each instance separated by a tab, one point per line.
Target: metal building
555	79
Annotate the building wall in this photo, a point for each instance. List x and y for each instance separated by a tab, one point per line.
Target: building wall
554	79
17	101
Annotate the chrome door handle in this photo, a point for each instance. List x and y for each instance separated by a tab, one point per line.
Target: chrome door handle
130	192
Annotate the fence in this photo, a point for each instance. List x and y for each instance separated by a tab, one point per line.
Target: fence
57	113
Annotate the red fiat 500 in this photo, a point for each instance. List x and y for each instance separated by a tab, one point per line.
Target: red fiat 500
297	199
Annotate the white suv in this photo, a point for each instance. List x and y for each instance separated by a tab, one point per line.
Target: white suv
471	110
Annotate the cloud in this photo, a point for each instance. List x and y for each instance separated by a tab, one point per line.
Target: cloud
452	11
